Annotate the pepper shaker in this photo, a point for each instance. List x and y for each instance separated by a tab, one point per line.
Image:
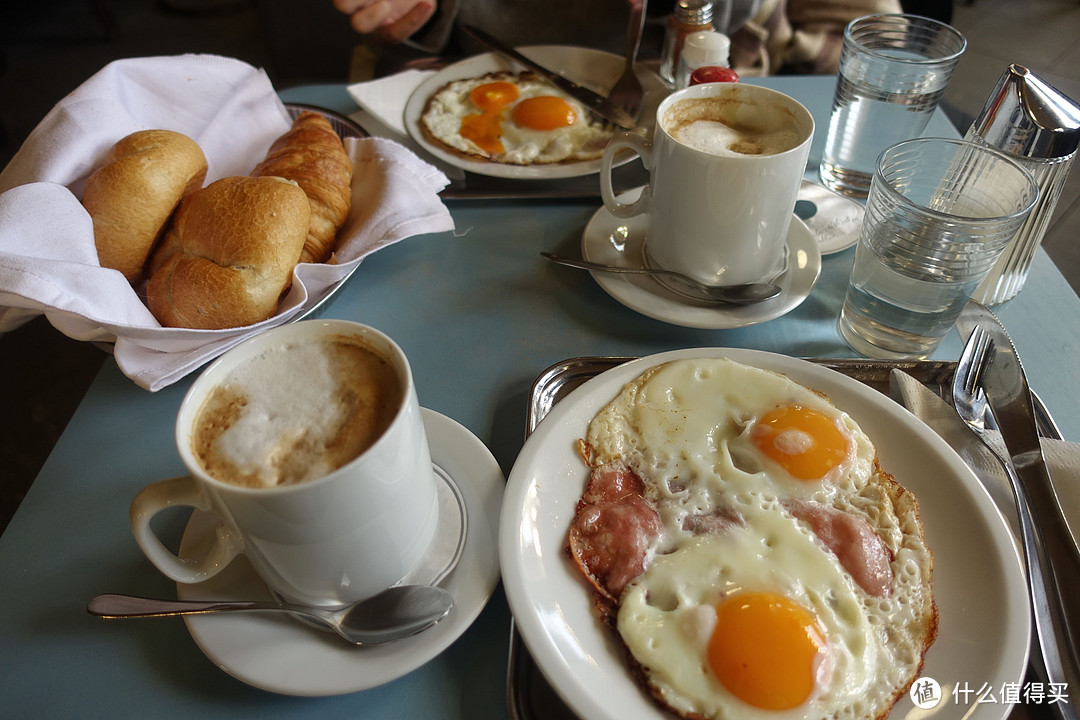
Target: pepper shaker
1040	128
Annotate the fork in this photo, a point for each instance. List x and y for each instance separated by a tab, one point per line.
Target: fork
1050	620
627	92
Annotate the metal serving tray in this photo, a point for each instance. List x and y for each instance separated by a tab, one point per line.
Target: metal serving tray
529	694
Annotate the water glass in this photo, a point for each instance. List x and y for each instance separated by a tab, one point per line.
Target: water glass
893	71
939	214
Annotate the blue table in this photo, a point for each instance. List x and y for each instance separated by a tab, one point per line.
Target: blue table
480	315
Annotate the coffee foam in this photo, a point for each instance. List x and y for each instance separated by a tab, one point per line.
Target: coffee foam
728	126
296	412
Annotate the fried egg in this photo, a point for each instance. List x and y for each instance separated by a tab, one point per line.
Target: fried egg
514	119
702	433
758	622
764	615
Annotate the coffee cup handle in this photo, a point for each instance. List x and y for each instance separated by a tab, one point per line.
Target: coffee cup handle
182	492
643	148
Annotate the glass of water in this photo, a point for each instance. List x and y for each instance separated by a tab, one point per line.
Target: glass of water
939	214
893	71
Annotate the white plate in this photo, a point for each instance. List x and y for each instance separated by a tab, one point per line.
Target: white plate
279	654
593	69
617	241
978	582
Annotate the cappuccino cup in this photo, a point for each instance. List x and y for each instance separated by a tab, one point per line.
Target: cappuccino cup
307	443
725	164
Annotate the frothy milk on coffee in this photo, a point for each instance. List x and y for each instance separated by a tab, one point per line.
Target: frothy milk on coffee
730	127
296	412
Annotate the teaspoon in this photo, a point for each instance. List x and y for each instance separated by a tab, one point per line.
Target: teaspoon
391	615
732	294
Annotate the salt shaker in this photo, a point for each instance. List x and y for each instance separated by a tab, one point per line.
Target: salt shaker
701	49
687	18
1040	128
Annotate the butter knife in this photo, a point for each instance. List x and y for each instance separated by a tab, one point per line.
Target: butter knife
594	102
1005	384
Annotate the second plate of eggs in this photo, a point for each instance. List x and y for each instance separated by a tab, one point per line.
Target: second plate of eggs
593	69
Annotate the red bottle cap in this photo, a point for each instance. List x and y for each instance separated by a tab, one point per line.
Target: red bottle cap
713	73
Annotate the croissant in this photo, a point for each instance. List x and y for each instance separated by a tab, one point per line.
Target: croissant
312	155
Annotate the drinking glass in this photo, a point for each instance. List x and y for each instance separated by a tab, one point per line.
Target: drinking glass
893	71
939	214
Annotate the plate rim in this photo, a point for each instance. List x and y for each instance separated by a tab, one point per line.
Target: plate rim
583	402
492	62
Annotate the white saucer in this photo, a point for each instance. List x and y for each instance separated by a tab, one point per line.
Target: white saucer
834	220
615	241
276	653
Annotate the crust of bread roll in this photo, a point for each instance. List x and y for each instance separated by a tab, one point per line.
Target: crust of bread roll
311	155
229	253
133	194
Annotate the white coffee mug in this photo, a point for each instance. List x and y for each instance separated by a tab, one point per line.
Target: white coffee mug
722	219
328	541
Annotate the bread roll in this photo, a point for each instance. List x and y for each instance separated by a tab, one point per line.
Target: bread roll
229	253
311	155
132	195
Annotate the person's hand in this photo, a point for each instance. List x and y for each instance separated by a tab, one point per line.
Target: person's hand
390	20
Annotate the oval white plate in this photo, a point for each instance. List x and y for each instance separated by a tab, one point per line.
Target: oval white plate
978	582
274	652
593	69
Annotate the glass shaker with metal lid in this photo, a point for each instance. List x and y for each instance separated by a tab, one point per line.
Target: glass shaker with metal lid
1040	128
688	17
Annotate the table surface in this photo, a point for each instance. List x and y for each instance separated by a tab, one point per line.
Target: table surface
480	315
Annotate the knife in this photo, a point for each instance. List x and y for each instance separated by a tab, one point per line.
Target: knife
594	102
1003	380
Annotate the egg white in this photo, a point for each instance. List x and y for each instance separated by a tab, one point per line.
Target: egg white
585	139
684	428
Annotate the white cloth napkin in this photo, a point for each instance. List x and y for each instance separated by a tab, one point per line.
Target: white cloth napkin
385	98
1062	457
382	112
48	263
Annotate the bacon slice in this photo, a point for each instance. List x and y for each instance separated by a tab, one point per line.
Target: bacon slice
610	484
613	529
860	550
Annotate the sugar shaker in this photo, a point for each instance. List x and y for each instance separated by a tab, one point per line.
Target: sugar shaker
688	17
1040	127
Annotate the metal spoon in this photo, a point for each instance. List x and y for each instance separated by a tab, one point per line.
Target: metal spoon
391	615
732	294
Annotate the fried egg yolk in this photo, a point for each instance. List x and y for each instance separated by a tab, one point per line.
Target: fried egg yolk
544	112
807	443
484	128
765	649
494	95
541	113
